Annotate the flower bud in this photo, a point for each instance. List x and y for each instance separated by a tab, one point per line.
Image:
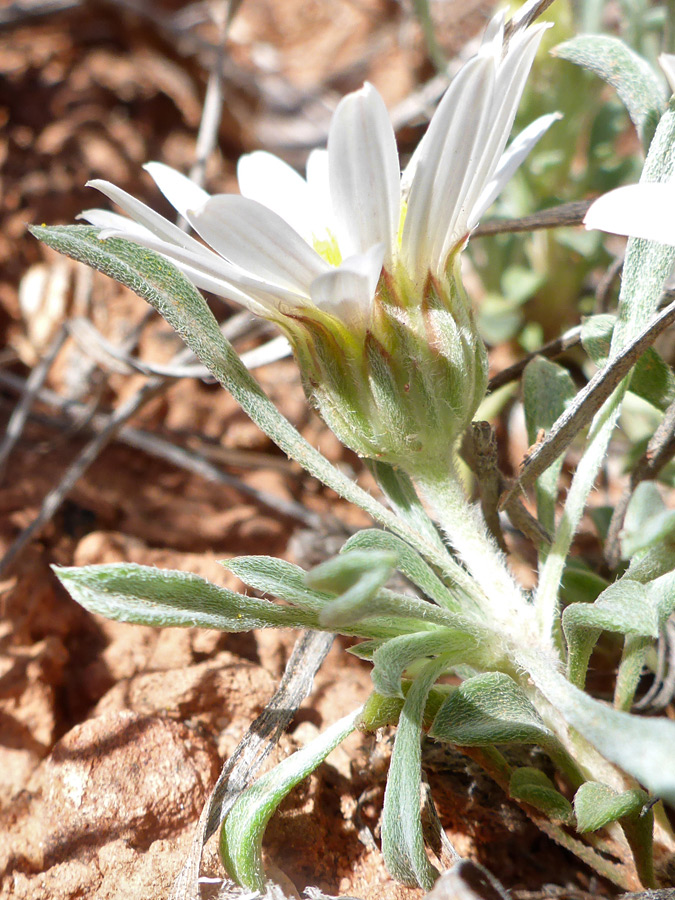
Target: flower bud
403	387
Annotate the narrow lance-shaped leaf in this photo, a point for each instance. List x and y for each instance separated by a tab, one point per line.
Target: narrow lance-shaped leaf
402	609
408	561
289	582
632	77
393	658
547	389
278	578
642	747
358	578
243	830
355	578
402	839
148	596
489	709
624	608
534	787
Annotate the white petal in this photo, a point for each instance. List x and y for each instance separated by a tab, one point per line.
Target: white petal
147	217
347	292
449	146
318	184
364	173
638	210
210	271
512	74
103	218
273	350
258	240
269	180
492	43
181	193
667	63
511	160
408	174
494	33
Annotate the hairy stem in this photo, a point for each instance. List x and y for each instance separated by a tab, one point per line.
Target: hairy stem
465	529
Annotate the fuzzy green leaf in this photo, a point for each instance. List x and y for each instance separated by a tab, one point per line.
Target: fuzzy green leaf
288	582
596	805
393	658
489	709
408	561
631	76
366	649
147	596
360	575
242	832
642	747
661	597
653	563
534	787
623	608
580	584
278	578
345	571
356	578
547	389
402	840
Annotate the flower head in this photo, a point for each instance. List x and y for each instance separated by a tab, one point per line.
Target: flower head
356	263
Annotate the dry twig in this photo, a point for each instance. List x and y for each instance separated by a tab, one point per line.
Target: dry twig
308	654
161	448
564	215
588	401
31	387
551	350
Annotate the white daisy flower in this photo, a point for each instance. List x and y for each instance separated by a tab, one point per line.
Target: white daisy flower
357	264
289	242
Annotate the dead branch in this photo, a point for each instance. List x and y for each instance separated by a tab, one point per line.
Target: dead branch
308	654
551	350
588	401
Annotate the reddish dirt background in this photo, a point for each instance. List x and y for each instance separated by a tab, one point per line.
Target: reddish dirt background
111	735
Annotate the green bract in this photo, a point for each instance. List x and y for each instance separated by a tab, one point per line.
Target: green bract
404	388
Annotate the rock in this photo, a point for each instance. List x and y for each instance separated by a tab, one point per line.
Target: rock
123	775
109	807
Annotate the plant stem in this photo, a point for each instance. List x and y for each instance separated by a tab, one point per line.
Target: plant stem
464	527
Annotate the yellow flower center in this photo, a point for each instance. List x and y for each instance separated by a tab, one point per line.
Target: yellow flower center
328	249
